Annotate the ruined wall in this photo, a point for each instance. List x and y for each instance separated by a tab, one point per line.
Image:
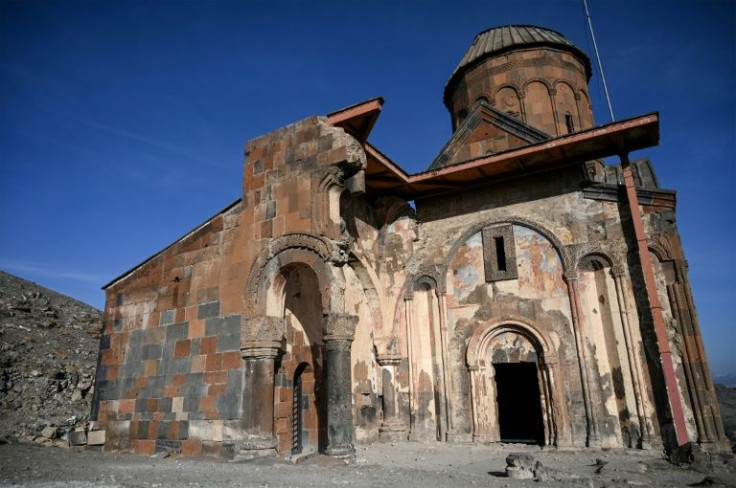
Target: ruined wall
171	371
571	313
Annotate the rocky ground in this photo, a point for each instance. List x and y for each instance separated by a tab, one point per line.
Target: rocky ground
48	354
426	465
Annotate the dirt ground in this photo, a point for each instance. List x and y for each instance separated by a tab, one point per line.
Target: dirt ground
426	465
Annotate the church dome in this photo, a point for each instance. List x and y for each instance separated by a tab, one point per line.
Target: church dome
513	56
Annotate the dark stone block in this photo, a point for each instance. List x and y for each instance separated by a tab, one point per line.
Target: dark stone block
228	342
178	332
162	430
170	416
167	317
142	429
105	341
195	347
257	166
191	404
145	416
141	404
227	450
271	210
117	325
207	310
196	416
166	445
231	324
228	405
183	430
212	326
151	351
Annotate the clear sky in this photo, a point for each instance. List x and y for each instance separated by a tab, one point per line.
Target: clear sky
122	124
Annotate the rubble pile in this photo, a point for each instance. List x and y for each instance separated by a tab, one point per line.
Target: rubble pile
48	354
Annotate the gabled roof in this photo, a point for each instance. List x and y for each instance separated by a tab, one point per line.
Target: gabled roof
481	117
358	120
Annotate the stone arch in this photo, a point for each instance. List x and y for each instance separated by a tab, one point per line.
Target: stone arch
483	392
330	190
282	252
539	106
370	283
507	99
431	276
565	259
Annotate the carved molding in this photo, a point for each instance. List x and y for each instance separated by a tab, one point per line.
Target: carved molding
261	336
432	275
322	248
339	326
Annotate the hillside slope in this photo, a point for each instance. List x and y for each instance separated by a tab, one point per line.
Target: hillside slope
48	355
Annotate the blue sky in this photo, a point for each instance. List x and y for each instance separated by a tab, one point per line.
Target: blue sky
122	124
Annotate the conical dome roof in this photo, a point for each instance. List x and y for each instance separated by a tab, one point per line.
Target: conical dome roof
498	40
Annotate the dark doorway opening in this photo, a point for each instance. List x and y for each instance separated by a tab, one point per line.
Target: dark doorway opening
519	403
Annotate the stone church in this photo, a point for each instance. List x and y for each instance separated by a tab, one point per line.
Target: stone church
518	290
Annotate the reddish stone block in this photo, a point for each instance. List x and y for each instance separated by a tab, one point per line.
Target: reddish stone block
196	327
208	345
127	405
213	362
152	405
232	360
182	349
215	377
191	447
173	432
143	446
112	372
152	429
219	389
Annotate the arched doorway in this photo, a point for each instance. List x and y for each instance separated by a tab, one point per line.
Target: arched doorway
299	409
510	387
519	402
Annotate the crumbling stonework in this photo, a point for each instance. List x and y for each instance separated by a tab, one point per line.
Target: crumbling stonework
506	295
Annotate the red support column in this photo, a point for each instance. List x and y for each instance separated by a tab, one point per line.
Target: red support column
665	354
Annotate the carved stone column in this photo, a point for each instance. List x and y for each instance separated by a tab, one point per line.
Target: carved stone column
632	355
260	342
338	334
571	279
392	428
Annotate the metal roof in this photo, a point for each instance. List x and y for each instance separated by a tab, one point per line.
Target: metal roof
497	40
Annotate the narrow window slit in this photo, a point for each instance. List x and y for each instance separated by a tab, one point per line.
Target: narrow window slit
500	253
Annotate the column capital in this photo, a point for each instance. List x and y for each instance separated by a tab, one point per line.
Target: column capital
570	276
339	326
261	336
618	270
388	359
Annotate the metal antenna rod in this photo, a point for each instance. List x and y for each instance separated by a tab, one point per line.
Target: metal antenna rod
598	58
